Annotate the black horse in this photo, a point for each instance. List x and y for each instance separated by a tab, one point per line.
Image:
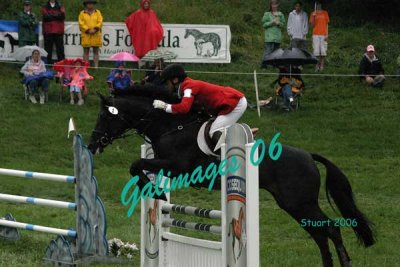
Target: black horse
13	42
293	179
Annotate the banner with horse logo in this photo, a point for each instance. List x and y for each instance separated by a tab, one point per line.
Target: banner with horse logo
8	39
191	43
198	43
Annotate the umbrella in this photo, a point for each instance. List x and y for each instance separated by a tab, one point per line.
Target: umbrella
290	56
26	51
68	64
158	54
124	56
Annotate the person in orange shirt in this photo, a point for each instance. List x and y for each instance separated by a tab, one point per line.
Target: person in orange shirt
319	19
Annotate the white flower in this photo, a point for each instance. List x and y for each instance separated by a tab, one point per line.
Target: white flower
129	256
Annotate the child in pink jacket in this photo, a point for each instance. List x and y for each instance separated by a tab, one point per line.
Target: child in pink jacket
78	77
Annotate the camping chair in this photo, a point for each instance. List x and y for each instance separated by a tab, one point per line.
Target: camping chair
64	71
25	87
297	91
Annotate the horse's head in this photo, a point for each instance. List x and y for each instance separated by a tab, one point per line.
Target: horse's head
110	125
187	33
133	109
129	109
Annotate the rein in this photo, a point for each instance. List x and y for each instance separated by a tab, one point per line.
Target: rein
105	139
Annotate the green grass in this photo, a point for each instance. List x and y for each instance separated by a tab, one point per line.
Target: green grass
354	126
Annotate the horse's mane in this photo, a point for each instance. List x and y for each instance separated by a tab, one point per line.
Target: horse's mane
148	91
145	94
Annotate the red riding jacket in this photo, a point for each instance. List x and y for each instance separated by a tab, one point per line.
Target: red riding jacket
217	100
53	18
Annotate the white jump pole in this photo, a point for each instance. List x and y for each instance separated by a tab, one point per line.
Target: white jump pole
38	175
203	227
205	213
38	201
38	228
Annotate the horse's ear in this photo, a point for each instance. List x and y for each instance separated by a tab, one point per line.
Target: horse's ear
102	98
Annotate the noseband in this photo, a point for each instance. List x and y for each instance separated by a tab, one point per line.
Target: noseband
105	139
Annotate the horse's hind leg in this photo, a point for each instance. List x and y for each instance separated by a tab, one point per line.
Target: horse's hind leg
336	237
309	218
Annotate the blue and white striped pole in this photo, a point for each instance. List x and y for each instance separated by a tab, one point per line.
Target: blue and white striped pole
38	201
38	175
38	228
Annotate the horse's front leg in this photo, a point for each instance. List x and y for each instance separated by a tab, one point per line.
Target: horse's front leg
151	165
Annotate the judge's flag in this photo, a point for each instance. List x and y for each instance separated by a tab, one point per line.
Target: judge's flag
71	126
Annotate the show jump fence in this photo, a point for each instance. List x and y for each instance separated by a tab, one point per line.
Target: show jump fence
239	215
88	241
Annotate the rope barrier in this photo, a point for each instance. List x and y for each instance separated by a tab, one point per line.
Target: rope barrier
222	72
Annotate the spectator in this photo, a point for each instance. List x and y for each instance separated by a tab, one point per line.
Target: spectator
297	27
371	69
319	19
273	21
27	23
290	82
153	75
90	24
78	75
35	76
145	29
53	29
119	78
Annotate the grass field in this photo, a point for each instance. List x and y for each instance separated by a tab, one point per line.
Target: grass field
354	126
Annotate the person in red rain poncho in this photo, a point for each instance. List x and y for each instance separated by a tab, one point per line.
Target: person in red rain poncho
145	29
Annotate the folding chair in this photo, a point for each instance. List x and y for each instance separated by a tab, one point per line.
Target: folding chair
297	93
25	87
64	72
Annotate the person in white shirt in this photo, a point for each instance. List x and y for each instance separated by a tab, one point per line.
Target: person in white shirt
297	26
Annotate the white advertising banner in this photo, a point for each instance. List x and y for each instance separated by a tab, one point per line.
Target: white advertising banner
190	42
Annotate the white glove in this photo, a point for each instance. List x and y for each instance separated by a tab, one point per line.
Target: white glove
160	104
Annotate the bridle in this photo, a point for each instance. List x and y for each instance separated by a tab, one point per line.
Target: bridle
105	139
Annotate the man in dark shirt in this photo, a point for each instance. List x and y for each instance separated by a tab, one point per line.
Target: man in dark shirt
53	29
27	23
371	69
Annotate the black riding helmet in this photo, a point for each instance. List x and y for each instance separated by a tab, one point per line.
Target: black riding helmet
173	71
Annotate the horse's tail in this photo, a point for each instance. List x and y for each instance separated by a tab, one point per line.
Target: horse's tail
338	186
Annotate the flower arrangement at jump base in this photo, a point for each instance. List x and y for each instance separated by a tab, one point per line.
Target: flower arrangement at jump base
120	249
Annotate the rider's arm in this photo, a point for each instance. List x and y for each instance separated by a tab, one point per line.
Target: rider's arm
184	106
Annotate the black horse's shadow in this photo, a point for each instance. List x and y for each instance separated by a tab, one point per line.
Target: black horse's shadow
293	179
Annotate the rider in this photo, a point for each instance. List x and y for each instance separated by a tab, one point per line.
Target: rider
227	103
